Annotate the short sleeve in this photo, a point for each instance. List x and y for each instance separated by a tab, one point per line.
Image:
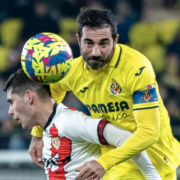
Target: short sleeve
57	93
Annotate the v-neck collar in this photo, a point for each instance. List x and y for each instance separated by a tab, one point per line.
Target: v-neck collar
51	116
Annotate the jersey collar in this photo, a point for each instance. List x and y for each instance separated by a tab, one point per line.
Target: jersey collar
51	116
115	59
116	56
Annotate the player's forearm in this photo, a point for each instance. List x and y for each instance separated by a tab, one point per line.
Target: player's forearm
146	135
133	146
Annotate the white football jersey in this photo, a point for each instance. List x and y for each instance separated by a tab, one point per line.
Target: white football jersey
70	140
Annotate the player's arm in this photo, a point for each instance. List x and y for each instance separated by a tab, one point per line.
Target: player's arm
101	132
35	151
141	160
147	134
116	136
146	114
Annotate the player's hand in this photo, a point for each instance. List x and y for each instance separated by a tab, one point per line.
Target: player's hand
90	170
35	150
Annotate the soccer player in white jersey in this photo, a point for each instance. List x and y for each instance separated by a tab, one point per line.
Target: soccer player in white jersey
70	137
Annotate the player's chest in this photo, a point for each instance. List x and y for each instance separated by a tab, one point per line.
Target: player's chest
56	143
106	97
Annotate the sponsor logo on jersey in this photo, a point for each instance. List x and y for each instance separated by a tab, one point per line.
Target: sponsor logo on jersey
109	107
121	116
115	88
140	71
84	89
147	94
55	142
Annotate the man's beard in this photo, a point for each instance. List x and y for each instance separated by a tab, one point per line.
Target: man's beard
99	62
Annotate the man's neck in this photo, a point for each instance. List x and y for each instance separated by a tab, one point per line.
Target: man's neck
44	110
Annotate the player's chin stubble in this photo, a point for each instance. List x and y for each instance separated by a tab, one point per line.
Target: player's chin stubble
100	62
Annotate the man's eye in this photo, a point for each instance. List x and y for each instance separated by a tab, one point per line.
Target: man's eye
89	43
104	43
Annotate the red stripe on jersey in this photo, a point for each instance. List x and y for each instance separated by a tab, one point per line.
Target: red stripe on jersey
101	126
72	109
61	148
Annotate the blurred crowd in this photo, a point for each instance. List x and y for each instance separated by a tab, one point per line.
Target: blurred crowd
151	27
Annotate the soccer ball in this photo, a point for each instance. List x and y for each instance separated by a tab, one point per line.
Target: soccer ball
46	58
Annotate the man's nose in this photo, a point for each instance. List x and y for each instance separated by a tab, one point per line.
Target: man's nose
10	111
96	51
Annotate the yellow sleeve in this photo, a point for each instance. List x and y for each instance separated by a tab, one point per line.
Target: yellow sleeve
57	93
37	131
141	86
147	133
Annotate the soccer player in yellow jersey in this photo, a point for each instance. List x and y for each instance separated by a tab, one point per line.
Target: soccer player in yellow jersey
118	83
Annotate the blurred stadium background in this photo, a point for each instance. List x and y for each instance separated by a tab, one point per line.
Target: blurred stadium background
149	26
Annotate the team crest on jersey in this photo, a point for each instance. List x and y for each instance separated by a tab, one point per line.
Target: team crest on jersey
147	94
55	142
115	88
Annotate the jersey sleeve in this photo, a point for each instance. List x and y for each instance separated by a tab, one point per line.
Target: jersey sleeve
37	131
141	160
58	90
147	133
57	93
84	128
119	135
141	85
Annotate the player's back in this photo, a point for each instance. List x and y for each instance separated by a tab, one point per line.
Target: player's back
65	148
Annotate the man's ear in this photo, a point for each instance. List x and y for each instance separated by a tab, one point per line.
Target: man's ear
116	39
78	39
29	96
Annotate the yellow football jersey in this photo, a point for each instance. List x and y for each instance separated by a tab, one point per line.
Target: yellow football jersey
126	85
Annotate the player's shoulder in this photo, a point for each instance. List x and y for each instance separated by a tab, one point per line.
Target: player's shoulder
69	120
132	56
63	110
67	115
74	73
132	59
77	62
76	69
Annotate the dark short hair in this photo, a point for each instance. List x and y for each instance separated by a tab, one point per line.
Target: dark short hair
97	18
19	83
